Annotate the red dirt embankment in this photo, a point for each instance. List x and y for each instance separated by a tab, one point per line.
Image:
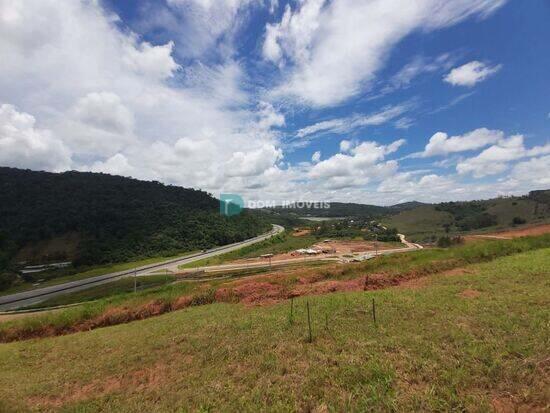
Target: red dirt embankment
260	290
515	233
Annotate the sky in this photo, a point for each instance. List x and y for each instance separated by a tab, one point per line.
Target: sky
369	101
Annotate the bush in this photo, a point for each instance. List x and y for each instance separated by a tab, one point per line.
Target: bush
518	221
446	241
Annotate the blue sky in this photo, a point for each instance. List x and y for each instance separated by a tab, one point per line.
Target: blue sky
364	101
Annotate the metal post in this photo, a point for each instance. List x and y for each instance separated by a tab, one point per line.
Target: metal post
373	312
309	322
135	281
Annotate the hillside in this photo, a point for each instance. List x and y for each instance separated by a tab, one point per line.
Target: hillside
440	343
425	222
94	218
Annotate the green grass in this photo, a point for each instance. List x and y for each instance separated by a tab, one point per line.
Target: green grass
432	350
279	244
420	222
121	286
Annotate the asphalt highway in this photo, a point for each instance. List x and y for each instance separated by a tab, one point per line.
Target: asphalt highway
35	296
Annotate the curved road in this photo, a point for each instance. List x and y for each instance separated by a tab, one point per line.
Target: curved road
26	298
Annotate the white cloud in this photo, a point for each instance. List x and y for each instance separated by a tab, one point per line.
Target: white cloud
417	66
333	49
404	123
534	172
110	100
345	145
116	165
441	144
202	26
344	125
269	117
316	157
470	73
23	145
253	162
364	163
407	186
104	110
496	158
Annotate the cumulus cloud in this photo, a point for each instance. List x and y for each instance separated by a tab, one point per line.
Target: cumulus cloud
408	185
534	172
333	49
470	73
364	163
104	110
23	145
441	144
253	162
110	102
496	158
116	165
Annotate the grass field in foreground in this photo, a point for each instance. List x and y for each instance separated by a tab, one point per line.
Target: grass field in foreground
466	342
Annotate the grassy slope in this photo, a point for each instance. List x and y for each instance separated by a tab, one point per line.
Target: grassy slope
433	350
419	222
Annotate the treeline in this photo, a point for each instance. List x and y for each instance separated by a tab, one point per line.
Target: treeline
117	219
468	215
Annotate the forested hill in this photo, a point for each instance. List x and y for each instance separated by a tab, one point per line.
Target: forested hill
97	218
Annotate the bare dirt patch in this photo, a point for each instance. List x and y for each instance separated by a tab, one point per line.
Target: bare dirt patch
300	232
351	246
136	381
470	293
330	248
514	233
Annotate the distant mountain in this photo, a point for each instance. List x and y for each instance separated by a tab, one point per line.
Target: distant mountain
426	221
405	206
345	209
96	218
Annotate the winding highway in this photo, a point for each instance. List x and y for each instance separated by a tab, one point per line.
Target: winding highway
31	297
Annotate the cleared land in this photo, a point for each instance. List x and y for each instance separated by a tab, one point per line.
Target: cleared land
516	233
461	341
